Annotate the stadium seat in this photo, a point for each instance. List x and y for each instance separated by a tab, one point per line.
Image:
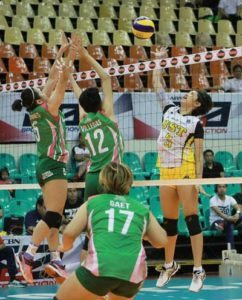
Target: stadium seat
13	36
107	11
27	164
143	42
96	52
35	36
187	13
178	82
148	11
149	161
27	195
100	37
18	207
55	37
197	69
200	81
224	40
72	2
239	160
21	22
138	52
64	24
127	12
3	68
110	62
169	3
155	208
92	2
85	24
112	2
42	23
209	189
105	24
35	75
219	68
121	37
205	13
134	3
138	193
167	25
125	24
6	10
67	10
17	65
41	65
6	50
151	3
46	10
167	12
87	10
4	196
13	77
133	161
3	22
132	82
7	160
238	40
28	179
24	9
186	26
226	27
154	191
116	52
28	51
226	159
206	26
162	38
233	189
183	39
48	51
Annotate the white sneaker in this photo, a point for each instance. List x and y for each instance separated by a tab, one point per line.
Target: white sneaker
197	281
166	274
17	284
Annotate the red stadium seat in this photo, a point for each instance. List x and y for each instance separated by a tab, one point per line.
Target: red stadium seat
48	51
14	77
198	49
138	52
28	51
110	63
3	68
34	75
200	81
17	65
132	82
218	68
6	50
178	51
41	65
96	52
198	69
149	82
116	52
178	82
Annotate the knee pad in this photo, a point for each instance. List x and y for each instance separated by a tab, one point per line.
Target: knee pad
52	219
170	226
193	225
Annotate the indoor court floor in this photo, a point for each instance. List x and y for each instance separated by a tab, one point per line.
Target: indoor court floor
215	288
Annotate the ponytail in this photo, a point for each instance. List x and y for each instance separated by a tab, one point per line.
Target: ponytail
17	105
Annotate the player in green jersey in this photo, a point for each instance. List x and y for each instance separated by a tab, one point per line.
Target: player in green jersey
116	224
48	125
98	125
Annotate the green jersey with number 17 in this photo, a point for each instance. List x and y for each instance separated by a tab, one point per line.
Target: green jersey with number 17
103	140
116	225
49	133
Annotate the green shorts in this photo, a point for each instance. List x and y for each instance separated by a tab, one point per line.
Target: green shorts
92	185
48	169
101	286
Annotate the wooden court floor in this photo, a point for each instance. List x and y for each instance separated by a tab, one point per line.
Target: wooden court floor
215	288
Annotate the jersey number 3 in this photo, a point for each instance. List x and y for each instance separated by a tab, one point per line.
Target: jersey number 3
98	135
111	219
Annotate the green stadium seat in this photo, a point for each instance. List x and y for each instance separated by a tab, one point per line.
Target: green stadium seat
121	37
100	37
155	208
18	207
27	195
43	23
7	160
3	22
207	231
27	164
133	161
105	24
21	22
46	10
226	159
28	179
138	192
6	10
239	160
127	11
233	189
209	189
107	11
24	9
13	36
67	10
85	24
55	37
87	10
205	202
35	36
149	161
64	24
4	201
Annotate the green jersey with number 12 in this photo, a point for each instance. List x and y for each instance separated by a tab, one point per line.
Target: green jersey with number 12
103	140
116	225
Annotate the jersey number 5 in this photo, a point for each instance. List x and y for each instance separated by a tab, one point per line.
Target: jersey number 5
98	135
111	218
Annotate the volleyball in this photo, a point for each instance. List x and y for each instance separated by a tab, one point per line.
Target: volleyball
143	28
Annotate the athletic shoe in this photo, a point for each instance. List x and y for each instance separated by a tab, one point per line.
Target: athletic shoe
197	281
56	270
166	274
17	284
26	265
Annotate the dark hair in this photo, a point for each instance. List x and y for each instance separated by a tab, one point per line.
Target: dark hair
206	104
40	201
236	67
28	97
216	187
208	151
90	100
5	169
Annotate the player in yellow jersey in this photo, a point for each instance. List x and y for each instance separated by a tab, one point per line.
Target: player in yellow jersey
49	129
180	147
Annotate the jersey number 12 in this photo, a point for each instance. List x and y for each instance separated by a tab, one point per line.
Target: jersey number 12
98	135
111	219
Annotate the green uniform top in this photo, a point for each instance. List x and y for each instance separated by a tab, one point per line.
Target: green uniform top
50	134
103	140
116	225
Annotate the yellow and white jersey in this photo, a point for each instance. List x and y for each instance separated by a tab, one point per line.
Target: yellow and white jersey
175	142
